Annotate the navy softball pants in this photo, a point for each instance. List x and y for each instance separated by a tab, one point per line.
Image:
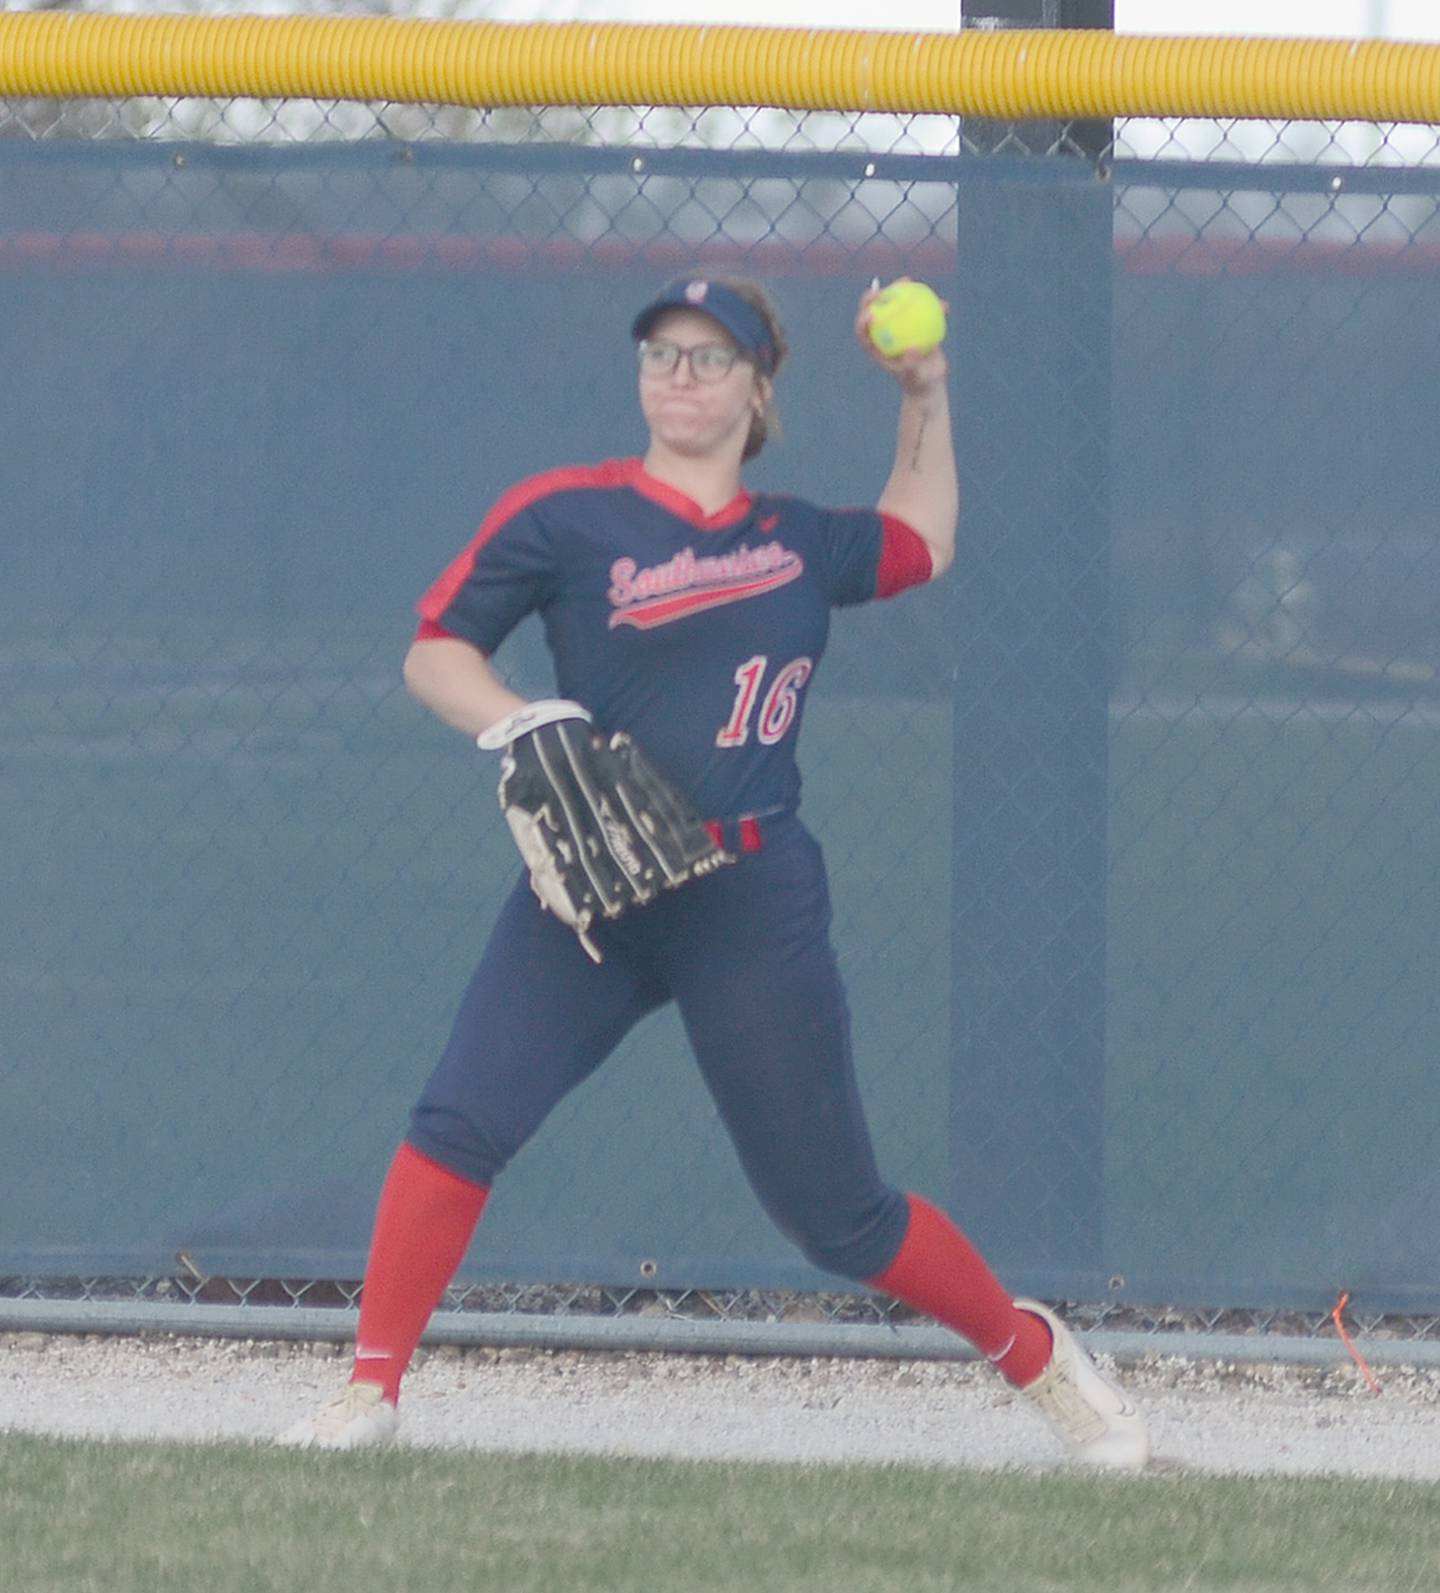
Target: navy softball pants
746	955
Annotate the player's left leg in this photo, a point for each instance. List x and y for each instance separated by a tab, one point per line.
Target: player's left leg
762	1000
760	994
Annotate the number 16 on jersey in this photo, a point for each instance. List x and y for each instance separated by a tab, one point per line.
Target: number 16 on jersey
778	708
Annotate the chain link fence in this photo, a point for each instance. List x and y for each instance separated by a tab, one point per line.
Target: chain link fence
273	361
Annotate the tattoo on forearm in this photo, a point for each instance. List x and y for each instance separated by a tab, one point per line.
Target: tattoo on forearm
919	441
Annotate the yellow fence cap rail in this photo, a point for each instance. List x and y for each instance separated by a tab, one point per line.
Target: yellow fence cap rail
1007	75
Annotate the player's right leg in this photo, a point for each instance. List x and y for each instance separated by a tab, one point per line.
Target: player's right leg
537	1019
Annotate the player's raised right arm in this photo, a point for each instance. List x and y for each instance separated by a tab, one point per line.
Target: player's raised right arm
923	489
454	680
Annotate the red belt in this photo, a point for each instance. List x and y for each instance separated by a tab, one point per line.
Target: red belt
736	835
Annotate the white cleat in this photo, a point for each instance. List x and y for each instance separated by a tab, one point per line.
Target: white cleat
1098	1423
357	1418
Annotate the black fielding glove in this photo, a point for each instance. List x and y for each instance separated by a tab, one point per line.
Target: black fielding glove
599	827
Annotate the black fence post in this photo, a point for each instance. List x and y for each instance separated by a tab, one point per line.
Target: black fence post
1032	353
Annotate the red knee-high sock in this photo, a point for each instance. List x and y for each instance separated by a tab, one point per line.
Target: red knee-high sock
938	1271
423	1225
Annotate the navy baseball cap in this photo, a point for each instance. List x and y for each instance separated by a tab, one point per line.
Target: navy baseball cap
735	313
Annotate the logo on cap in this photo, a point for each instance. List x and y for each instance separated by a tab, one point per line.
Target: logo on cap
695	292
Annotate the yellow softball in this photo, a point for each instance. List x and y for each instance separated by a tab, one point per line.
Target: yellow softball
906	315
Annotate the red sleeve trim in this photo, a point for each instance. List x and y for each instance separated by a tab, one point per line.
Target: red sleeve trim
430	630
905	559
442	593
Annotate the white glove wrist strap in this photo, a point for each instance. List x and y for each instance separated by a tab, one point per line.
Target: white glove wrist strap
534	714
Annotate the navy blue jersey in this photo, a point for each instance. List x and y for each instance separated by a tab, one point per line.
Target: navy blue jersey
699	634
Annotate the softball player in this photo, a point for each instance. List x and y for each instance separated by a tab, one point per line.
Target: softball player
692	614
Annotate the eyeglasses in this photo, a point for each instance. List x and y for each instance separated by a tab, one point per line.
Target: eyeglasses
709	362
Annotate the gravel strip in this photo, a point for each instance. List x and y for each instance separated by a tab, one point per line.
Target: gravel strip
1209	1416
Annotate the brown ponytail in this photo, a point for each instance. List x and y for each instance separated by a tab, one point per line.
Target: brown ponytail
766	424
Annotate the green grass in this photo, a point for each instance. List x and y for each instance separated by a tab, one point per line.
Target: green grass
143	1518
